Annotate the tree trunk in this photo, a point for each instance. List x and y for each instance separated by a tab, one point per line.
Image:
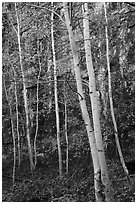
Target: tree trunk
24	94
111	101
50	84
13	133
17	114
65	127
37	109
95	109
56	98
85	114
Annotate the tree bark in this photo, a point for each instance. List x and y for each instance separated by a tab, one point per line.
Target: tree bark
85	114
95	108
37	109
56	97
65	127
13	133
50	84
24	94
17	114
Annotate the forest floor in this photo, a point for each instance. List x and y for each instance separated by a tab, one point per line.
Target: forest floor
45	185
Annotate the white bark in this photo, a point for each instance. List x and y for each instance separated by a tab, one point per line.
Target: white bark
95	108
50	85
37	109
24	93
83	106
17	114
66	134
56	97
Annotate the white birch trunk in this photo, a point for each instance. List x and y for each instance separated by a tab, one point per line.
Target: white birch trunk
24	94
95	108
85	114
65	127
56	98
37	109
17	114
50	85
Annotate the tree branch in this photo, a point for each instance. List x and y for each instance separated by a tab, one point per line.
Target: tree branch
47	10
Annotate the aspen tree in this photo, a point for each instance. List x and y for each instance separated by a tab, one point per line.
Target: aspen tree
37	109
85	114
95	108
49	71
65	127
56	97
24	93
17	114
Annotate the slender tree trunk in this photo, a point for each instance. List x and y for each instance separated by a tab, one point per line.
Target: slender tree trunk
50	85
66	134
111	101
24	94
56	97
95	109
85	114
37	110
18	134
17	114
13	133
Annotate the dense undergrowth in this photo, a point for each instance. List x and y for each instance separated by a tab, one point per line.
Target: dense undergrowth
44	185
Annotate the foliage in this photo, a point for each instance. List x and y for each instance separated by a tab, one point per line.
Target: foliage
35	29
